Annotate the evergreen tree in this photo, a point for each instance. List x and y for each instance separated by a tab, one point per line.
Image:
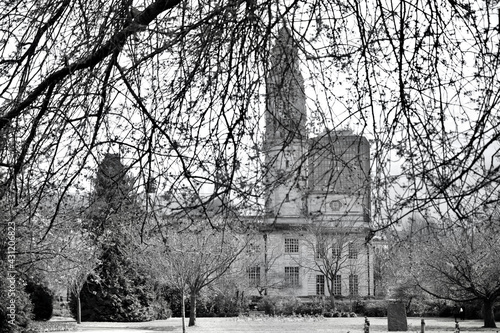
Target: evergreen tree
120	292
112	198
42	298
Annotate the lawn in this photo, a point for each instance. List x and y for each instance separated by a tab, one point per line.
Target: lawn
281	324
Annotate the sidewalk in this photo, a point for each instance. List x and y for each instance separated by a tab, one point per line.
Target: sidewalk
280	324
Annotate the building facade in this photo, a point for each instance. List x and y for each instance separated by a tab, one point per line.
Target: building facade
314	240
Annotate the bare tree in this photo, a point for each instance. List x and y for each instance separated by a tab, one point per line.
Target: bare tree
456	263
192	258
67	257
174	272
336	251
74	269
176	88
79	275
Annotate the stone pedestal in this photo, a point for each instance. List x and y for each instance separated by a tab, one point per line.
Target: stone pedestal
396	317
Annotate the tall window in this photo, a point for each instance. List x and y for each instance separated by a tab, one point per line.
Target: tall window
353	251
291	245
353	284
320	250
337	285
320	285
336	250
253	276
292	276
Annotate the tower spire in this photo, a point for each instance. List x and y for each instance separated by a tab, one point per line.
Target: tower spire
285	100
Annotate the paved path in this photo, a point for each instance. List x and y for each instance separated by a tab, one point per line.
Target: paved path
285	324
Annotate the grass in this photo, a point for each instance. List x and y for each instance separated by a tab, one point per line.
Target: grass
265	324
52	326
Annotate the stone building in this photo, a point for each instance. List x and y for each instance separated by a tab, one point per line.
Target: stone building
314	240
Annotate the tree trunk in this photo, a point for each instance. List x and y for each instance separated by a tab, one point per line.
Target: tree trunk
238	302
192	313
183	312
332	301
488	314
329	286
78	309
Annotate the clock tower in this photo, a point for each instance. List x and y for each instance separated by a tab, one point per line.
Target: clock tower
285	136
317	194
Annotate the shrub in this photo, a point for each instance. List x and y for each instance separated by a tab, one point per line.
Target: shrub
159	305
375	309
268	305
312	309
433	308
42	299
161	309
220	305
473	310
445	311
172	296
23	308
287	306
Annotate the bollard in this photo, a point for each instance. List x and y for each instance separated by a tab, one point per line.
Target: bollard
457	326
422	326
367	325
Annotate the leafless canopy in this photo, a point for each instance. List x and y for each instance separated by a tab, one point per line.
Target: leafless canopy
177	89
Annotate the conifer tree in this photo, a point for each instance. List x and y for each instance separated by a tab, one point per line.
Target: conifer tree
119	291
